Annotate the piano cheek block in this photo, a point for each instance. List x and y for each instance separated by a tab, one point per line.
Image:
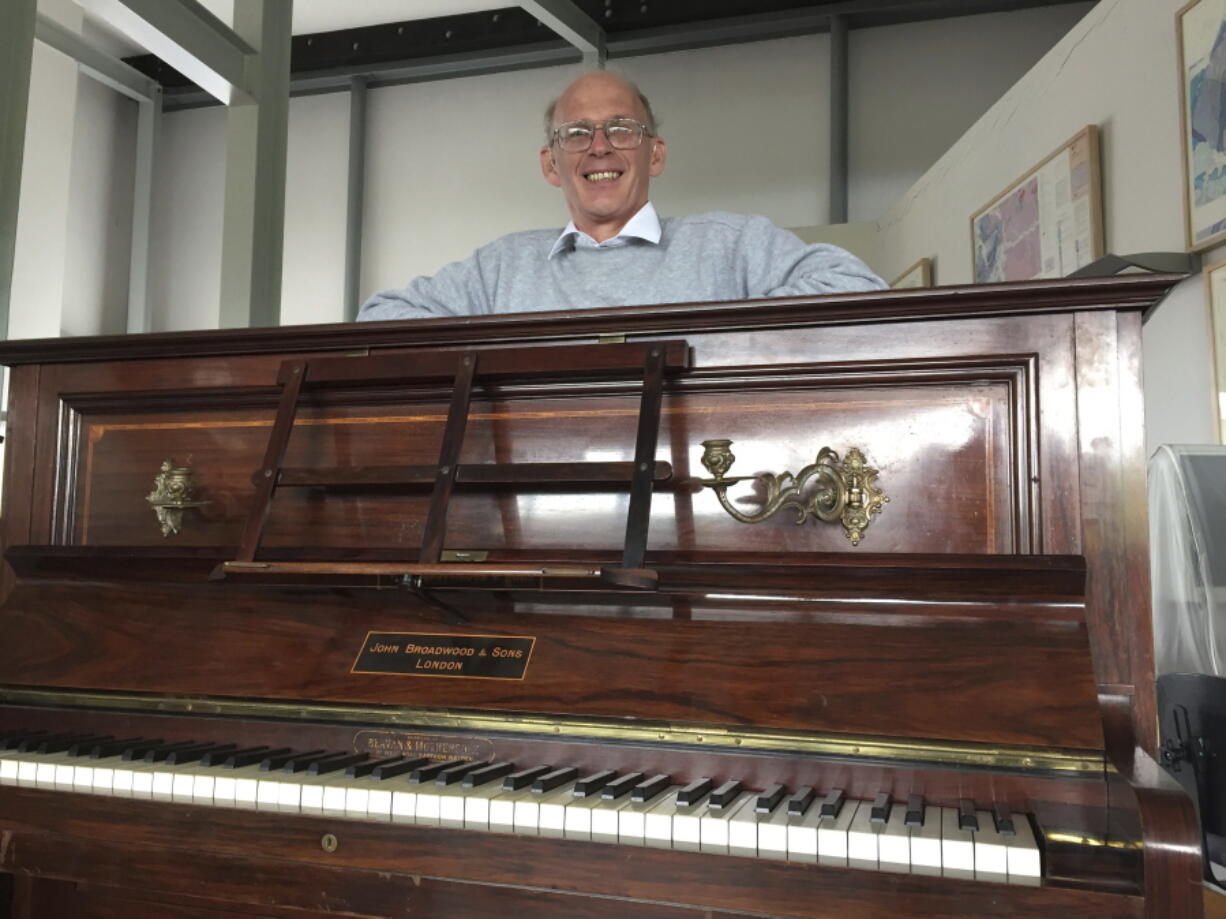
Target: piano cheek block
460	596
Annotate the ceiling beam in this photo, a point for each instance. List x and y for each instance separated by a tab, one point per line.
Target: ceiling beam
572	24
107	70
187	37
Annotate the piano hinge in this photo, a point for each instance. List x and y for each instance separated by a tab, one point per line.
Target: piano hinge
611	338
464	555
360	352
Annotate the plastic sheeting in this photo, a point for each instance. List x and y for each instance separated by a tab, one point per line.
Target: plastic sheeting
1187	538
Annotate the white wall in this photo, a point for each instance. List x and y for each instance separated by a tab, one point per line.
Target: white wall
99	239
914	85
1116	69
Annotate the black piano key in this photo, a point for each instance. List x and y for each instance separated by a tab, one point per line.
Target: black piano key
769	799
361	770
192	754
429	772
61	744
277	760
82	747
966	815
10	739
592	784
158	753
108	747
135	751
555	779
620	786
455	774
915	811
649	788
525	777
335	763
248	756
487	773
799	803
726	794
391	770
880	811
301	762
695	791
1003	820
833	802
32	743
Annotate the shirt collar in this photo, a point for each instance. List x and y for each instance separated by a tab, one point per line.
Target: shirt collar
644	225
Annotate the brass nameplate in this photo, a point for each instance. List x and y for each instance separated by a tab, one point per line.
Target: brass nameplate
383	744
479	657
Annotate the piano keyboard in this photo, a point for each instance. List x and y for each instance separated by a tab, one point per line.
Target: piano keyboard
800	825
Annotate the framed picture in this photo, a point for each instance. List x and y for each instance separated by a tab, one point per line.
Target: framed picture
1048	223
1215	285
1202	95
918	275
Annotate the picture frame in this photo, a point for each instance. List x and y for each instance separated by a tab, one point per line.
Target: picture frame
918	275
1046	224
1201	53
1215	296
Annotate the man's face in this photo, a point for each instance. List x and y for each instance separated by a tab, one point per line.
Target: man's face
604	187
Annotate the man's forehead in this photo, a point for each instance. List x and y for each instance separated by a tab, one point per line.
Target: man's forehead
606	98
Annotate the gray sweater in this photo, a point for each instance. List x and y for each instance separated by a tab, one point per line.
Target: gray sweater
716	256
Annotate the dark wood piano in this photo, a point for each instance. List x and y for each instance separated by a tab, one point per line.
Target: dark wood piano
831	607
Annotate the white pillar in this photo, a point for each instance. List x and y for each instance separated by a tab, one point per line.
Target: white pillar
16	58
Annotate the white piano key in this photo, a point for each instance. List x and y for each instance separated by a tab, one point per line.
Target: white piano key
957	847
632	819
551	820
991	859
773	833
8	770
606	819
802	835
477	804
713	832
404	804
687	826
1022	854
926	844
379	805
658	822
832	835
862	838
743	830
83	777
528	809
894	842
502	810
579	816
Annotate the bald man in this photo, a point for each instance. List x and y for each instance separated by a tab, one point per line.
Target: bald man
602	150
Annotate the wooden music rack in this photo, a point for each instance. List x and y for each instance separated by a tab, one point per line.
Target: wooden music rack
465	369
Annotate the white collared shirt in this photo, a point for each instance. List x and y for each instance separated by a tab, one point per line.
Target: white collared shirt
644	225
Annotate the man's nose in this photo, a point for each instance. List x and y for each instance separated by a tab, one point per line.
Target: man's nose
600	141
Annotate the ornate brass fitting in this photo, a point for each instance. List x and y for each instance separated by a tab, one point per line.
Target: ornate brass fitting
173	492
843	491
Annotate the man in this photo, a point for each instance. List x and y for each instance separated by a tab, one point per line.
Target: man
602	150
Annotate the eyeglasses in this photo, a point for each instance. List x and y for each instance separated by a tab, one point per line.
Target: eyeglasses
622	133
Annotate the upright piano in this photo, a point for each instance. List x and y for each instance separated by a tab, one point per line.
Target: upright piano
811	607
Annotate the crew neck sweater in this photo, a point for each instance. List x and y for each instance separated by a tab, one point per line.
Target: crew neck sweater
706	257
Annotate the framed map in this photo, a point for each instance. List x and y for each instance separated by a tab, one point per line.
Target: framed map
1215	282
1202	94
918	275
1046	224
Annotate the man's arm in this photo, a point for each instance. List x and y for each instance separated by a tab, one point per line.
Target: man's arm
781	265
457	290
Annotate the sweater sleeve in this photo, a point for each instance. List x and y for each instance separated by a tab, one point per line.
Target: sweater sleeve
457	289
780	265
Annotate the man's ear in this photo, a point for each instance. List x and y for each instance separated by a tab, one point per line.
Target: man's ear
659	155
549	167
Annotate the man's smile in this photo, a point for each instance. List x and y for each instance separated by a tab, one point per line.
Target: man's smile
608	175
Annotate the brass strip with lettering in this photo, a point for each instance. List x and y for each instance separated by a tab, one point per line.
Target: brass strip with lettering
1026	759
